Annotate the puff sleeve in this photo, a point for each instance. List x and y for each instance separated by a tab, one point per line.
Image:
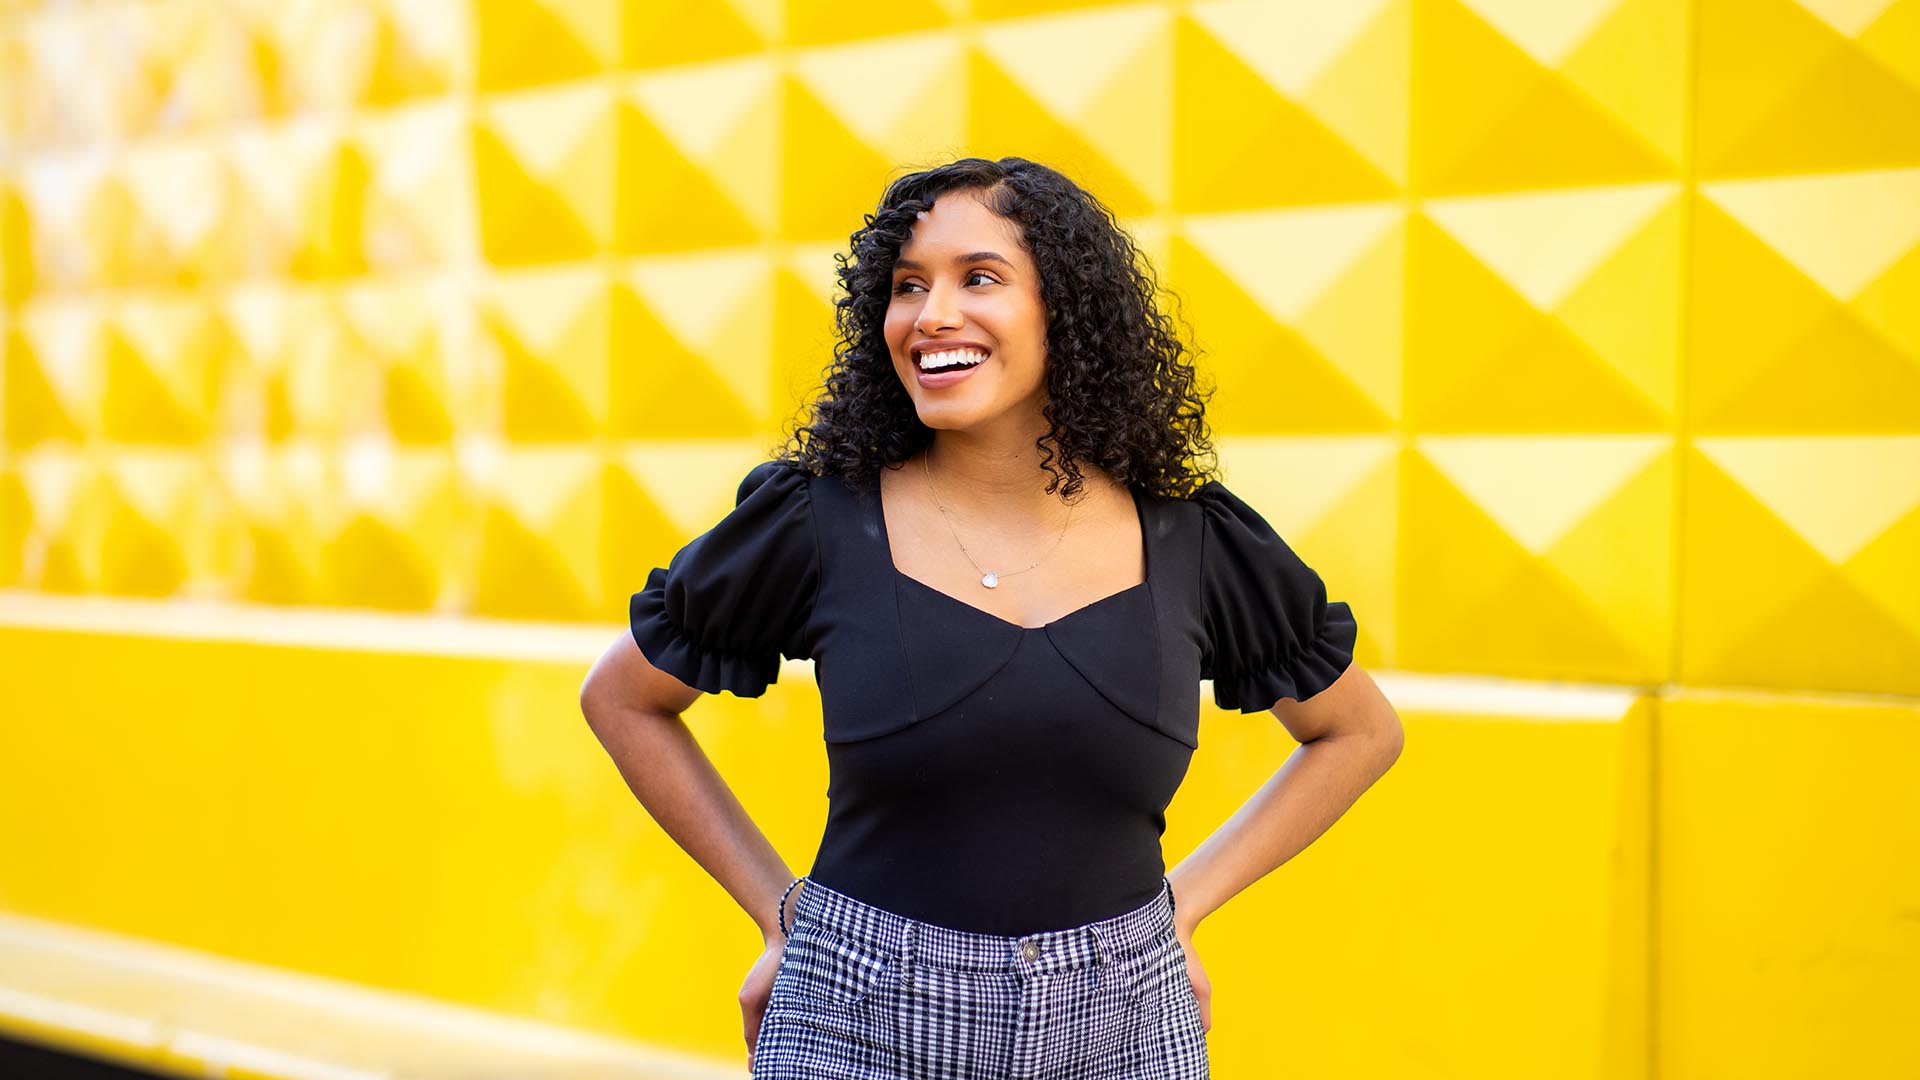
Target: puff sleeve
1270	632
730	602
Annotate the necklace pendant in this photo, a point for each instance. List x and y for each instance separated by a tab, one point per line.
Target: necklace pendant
990	579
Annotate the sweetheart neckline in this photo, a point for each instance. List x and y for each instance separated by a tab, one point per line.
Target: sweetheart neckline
1146	556
1136	587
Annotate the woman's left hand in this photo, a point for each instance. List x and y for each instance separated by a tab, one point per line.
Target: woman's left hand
1202	989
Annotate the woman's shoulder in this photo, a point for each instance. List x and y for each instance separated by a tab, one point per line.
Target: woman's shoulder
785	474
1271	630
1189	510
737	597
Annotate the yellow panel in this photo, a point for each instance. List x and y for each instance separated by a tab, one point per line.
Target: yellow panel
693	328
16	518
1275	146
1801	289
810	22
418	212
830	174
14	81
542	529
181	207
670	200
16	243
284	499
168	528
802	326
1499	102
545	167
524	42
922	115
160	67
1837	561
413	333
401	49
1118	100
67	505
1488	346
166	360
1782	90
654	34
1283	344
399	536
1508	535
1783	897
1005	118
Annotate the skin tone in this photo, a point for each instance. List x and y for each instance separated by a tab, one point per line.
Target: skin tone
989	476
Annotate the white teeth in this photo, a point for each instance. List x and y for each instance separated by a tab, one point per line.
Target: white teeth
931	361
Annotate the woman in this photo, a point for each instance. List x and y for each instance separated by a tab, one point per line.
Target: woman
992	540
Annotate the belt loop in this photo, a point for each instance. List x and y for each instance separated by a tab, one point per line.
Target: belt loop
906	953
781	915
1105	958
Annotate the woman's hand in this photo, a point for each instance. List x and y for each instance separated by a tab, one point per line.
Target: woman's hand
757	989
1202	988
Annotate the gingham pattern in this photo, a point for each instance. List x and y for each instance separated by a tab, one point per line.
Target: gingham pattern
864	993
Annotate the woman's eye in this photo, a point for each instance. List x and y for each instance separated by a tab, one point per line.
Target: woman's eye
971	274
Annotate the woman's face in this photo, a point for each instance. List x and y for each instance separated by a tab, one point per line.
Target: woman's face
964	279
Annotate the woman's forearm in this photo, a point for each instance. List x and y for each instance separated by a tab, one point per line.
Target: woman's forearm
1318	782
672	777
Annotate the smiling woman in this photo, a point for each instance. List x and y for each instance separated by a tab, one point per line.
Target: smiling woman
995	538
963	314
1014	260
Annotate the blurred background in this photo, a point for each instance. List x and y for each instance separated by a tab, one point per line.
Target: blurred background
361	356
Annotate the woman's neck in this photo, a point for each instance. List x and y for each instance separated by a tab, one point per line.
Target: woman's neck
1008	476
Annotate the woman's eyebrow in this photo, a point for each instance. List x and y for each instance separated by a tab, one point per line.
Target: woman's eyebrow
978	256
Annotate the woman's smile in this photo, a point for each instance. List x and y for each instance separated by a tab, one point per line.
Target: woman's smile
939	365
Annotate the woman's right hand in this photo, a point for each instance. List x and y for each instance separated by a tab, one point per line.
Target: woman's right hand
757	989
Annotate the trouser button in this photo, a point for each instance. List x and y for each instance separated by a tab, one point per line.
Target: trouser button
1030	949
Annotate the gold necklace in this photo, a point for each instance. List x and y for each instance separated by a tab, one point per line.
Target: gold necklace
989	578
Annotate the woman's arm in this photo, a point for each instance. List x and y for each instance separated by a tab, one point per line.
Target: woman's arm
1350	736
634	710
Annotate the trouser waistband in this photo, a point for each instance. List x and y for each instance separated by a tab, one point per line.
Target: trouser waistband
1101	941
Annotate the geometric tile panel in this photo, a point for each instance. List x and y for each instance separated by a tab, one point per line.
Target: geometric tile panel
1515	311
1807	303
1313	342
1547	556
1320	104
1573	340
1801	564
1522	94
1806	86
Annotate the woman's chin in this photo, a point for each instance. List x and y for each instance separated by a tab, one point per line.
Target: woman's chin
947	417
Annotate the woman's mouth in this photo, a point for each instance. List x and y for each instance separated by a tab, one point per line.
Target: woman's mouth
947	366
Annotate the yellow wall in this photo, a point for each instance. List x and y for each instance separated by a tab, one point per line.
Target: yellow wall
1571	341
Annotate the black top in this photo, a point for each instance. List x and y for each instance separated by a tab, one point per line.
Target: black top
986	776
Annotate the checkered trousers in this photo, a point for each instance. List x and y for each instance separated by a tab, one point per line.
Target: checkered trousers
864	994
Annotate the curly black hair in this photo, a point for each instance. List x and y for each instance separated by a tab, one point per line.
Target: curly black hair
1121	393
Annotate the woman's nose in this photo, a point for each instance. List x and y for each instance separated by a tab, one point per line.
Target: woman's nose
940	309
